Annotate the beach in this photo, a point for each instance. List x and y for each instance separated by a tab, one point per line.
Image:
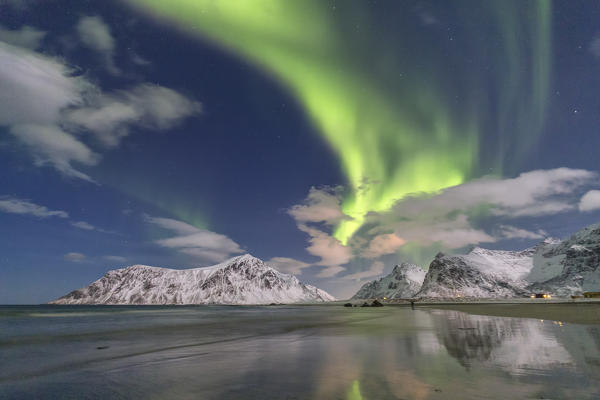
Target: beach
294	352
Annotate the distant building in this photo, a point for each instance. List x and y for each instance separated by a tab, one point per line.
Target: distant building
591	295
540	296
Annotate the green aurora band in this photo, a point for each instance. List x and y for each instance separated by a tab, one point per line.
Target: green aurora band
397	125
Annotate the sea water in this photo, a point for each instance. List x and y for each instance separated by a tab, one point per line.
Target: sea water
291	352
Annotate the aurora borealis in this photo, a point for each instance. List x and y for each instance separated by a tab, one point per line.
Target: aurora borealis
332	139
393	136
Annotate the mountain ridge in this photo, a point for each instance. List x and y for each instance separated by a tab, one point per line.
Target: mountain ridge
558	267
240	280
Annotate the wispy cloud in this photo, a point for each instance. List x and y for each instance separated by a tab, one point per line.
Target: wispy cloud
446	217
202	244
74	257
95	34
511	232
450	219
288	265
50	145
387	243
83	225
110	117
53	113
332	253
86	226
590	201
27	36
323	206
14	205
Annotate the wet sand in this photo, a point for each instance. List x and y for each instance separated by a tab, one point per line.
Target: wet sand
572	312
298	352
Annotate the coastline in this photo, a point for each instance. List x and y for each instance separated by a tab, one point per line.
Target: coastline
579	312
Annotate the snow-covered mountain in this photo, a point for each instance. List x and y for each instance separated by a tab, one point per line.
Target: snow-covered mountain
481	273
561	268
579	257
403	282
240	280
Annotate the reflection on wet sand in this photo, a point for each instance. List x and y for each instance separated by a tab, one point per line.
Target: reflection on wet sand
318	353
516	345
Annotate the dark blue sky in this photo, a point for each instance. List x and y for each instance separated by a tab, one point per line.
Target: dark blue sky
128	140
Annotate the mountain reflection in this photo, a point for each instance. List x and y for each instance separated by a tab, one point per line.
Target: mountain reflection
516	345
302	353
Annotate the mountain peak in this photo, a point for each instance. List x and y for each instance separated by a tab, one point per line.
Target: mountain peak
243	279
403	282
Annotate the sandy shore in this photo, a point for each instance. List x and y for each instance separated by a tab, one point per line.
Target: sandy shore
580	312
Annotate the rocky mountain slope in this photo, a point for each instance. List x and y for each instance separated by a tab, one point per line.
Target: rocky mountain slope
240	280
579	257
403	282
481	273
561	268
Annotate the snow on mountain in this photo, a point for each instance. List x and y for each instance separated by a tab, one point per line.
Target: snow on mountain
240	280
579	257
561	268
403	282
481	273
545	264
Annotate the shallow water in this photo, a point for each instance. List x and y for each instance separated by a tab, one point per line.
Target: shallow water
287	352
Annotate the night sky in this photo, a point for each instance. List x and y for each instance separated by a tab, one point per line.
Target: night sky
333	139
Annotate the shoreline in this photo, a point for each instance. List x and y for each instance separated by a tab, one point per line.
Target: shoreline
587	313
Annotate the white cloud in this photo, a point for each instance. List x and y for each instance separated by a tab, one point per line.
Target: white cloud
590	201
118	259
15	205
532	193
331	251
49	145
95	34
387	243
330	271
28	36
86	226
33	91
43	103
511	232
74	257
83	225
199	243
456	238
375	269
288	265
174	225
443	220
34	88
111	116
321	205
444	217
